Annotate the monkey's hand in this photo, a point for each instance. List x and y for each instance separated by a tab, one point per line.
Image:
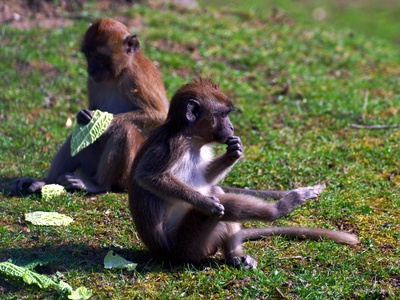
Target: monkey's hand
213	207
84	116
26	185
235	149
71	182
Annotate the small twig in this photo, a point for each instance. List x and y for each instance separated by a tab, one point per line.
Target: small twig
365	106
357	126
293	257
280	292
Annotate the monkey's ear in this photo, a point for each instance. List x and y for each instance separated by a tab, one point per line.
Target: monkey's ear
131	43
192	110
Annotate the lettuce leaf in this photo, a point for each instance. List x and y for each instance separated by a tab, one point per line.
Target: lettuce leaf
83	136
47	218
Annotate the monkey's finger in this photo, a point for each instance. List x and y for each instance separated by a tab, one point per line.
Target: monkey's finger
233	140
218	210
237	153
84	117
214	199
234	147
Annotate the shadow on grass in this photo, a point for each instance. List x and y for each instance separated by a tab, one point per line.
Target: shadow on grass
6	185
64	257
50	259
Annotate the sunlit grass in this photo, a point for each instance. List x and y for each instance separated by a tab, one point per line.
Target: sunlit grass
296	87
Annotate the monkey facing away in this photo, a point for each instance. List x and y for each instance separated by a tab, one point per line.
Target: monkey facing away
122	81
179	212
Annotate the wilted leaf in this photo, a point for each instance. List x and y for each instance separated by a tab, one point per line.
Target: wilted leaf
47	218
81	293
27	275
31	277
115	261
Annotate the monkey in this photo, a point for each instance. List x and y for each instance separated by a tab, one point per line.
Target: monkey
179	212
122	81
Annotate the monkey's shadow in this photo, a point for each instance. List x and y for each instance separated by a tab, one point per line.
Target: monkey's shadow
50	259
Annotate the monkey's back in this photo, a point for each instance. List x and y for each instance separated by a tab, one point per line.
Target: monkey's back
142	202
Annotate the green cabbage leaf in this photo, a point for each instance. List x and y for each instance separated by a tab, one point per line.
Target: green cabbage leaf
83	136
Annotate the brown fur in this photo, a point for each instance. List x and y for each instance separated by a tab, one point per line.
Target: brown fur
179	213
121	81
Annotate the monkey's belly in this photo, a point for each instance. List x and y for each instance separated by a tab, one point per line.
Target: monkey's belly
176	213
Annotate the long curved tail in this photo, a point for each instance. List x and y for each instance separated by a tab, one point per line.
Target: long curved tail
339	237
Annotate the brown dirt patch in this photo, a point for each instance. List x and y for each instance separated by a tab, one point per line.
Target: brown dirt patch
25	14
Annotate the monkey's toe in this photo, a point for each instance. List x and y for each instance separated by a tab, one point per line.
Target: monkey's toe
245	262
304	193
36	186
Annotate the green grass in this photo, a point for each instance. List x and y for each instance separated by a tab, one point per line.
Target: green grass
371	17
294	137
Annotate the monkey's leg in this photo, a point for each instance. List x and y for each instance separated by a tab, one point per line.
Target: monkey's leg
199	236
62	163
242	207
264	194
26	186
232	247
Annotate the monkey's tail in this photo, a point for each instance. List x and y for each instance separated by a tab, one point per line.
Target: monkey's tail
339	237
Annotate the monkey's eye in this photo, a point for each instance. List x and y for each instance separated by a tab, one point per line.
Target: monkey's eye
223	114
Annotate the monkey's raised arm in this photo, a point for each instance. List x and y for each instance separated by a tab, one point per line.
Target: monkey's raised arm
220	165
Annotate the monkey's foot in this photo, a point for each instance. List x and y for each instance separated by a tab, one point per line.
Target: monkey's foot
243	262
26	186
298	196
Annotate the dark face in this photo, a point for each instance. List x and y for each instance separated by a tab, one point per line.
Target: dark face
223	127
98	65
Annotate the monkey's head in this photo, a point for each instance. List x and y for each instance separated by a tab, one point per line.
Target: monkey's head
202	110
108	47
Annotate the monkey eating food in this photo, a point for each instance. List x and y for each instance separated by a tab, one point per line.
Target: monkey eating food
179	212
121	81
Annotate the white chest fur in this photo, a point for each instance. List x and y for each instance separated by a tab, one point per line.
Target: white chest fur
192	167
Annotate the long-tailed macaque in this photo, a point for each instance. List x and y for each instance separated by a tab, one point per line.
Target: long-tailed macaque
179	212
121	81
